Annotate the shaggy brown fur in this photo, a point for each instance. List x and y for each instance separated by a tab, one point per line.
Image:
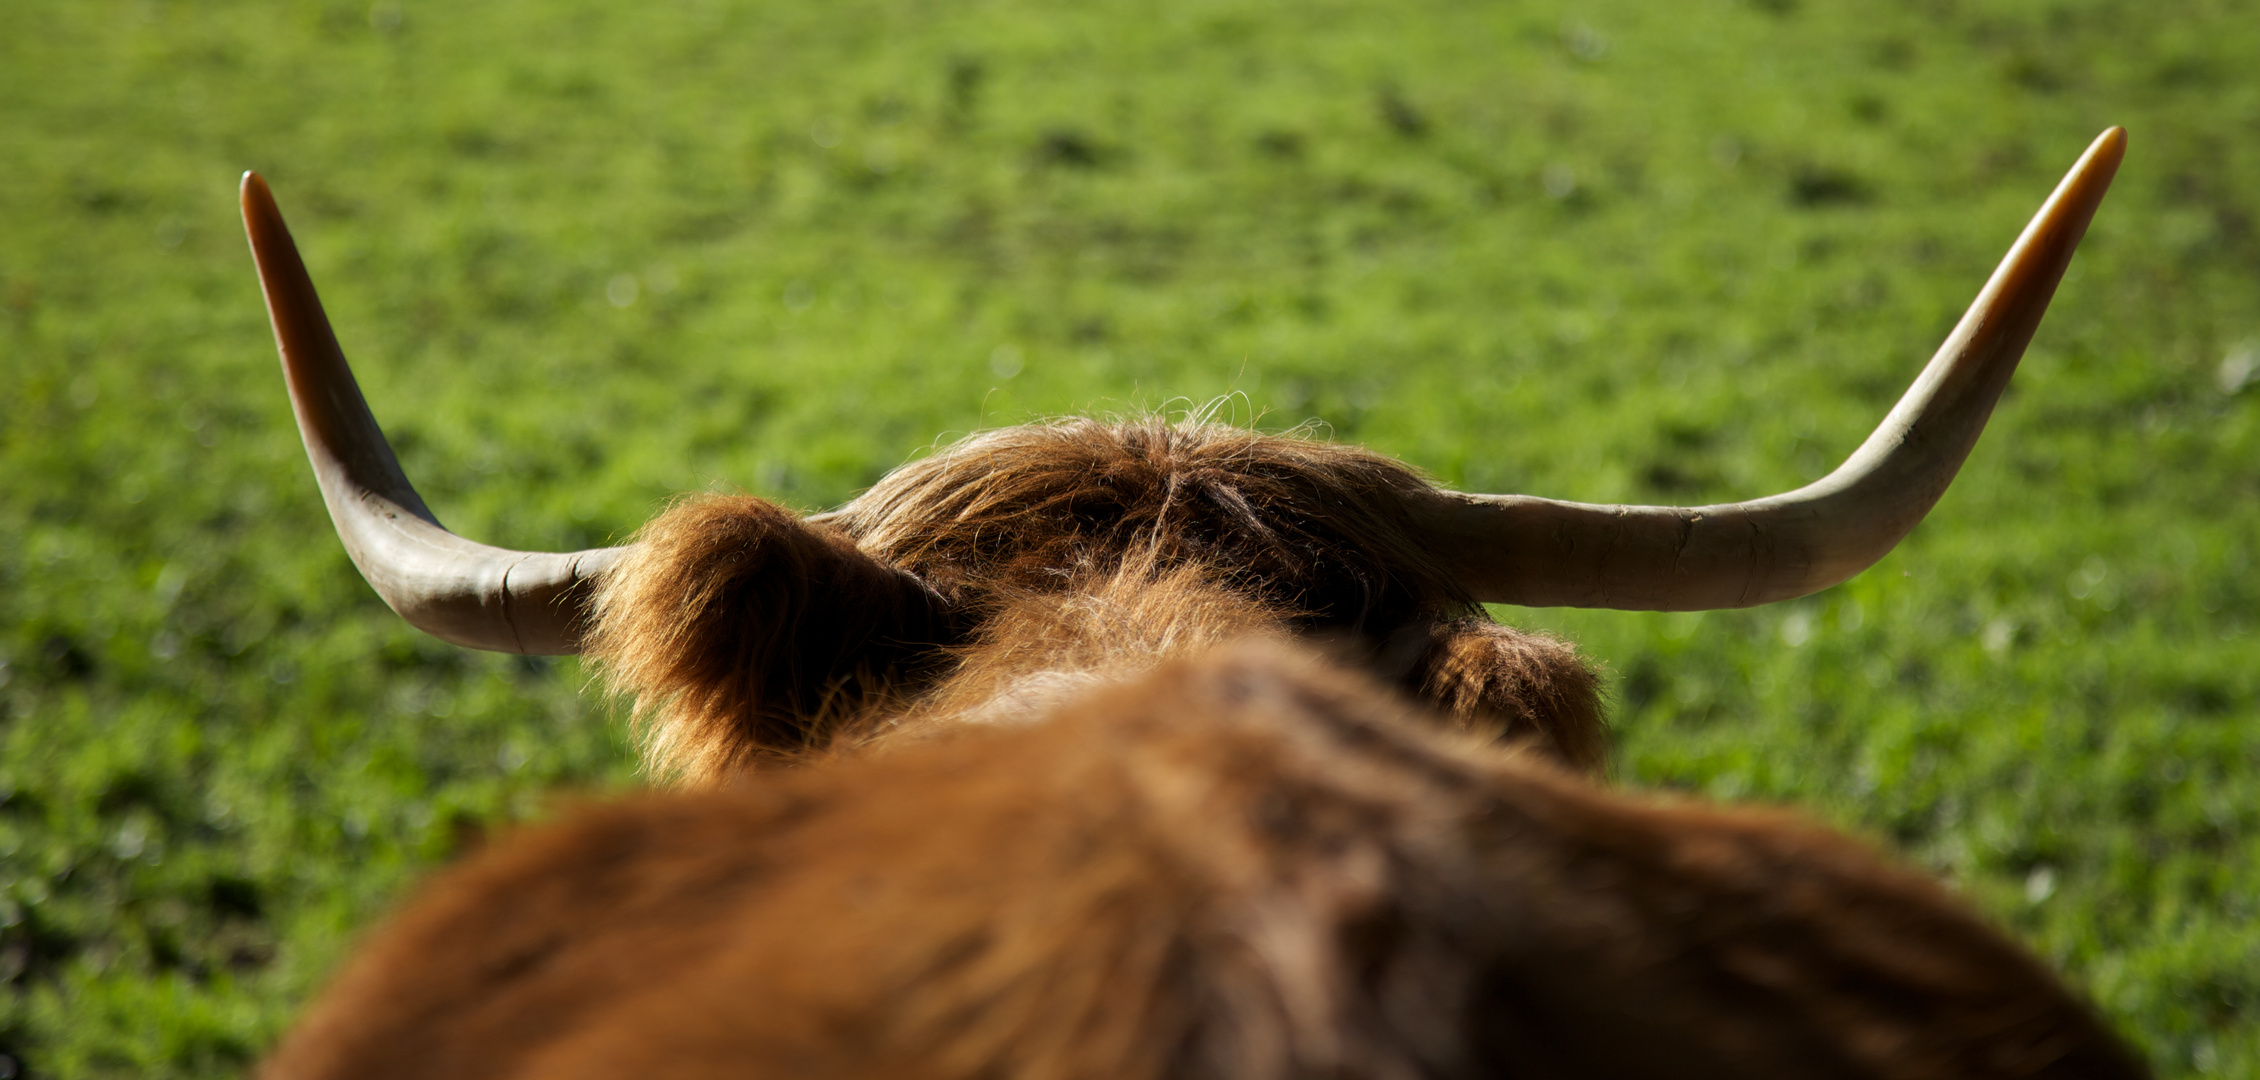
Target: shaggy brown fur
1249	866
1512	685
1317	528
1023	561
751	631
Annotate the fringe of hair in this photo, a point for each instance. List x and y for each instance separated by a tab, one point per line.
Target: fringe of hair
1317	527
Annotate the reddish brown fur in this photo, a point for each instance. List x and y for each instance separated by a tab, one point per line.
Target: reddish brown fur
1245	866
1056	553
752	631
1509	684
1318	528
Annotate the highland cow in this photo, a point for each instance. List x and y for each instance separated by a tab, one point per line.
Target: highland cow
1144	749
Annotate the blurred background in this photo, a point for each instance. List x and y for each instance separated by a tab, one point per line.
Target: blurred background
588	255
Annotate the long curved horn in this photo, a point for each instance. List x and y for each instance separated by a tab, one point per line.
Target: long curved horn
468	593
1515	549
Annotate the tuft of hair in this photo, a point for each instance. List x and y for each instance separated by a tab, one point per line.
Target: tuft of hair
1316	527
742	633
1514	685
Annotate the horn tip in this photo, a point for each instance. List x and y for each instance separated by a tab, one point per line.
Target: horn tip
258	202
2107	150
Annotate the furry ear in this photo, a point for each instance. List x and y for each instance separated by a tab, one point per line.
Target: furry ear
742	631
1492	678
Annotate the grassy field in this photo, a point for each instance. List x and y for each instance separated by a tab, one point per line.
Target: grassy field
1606	251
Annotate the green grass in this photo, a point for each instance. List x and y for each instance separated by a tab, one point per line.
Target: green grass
1605	251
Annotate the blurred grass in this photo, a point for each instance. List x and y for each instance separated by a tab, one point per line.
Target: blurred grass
588	256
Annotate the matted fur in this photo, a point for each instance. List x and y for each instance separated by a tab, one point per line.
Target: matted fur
1022	563
1247	866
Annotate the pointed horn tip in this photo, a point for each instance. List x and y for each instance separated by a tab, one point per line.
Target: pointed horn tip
2081	192
2107	150
254	195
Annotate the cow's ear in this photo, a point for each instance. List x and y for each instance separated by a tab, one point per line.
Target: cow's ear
742	631
1512	684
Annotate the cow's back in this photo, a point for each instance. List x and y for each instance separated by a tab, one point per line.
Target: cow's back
1244	865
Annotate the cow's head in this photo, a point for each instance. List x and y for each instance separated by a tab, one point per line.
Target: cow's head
984	580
